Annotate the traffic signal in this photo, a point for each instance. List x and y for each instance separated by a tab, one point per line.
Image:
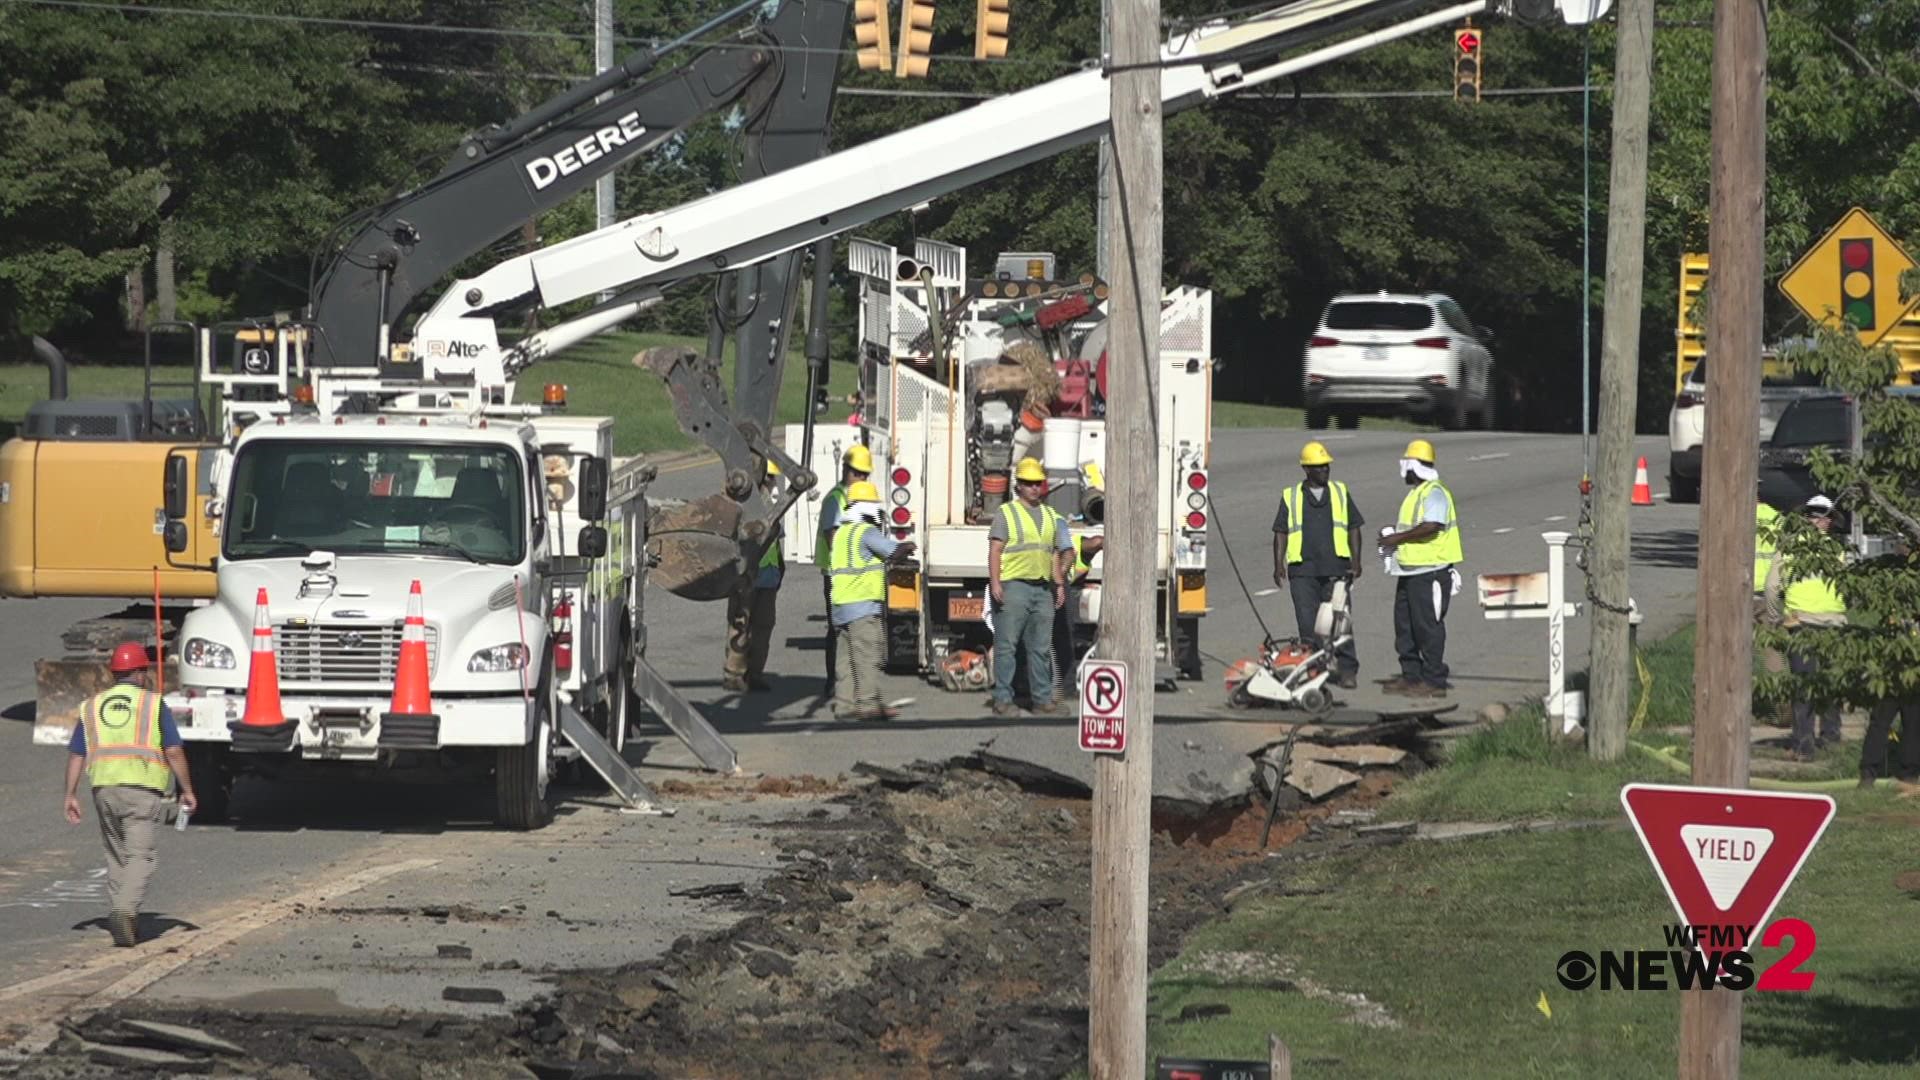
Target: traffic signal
870	34
990	29
1856	282
916	39
1466	63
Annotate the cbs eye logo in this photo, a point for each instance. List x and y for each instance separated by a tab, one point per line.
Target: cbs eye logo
1577	971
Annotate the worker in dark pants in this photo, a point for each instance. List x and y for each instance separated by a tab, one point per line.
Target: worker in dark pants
1424	547
1316	542
1876	758
751	611
855	466
128	748
1085	549
1810	601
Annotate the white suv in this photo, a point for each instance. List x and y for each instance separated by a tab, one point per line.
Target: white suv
1394	354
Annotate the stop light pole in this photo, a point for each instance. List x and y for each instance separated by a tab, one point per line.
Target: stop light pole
1123	783
1723	651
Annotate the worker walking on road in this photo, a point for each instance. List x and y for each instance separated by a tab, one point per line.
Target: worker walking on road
751	611
857	568
1423	549
127	746
1028	551
1316	542
1810	601
855	466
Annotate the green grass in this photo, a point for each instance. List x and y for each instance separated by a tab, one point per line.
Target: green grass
1457	941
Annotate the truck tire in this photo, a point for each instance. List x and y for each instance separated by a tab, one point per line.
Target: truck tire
521	777
212	781
1682	489
1316	419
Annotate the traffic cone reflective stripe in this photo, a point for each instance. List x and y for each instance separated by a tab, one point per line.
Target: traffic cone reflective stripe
265	722
410	693
1642	491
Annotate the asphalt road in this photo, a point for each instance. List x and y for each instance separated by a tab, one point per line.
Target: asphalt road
1510	488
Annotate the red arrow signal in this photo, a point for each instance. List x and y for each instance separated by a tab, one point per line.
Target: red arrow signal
1468	41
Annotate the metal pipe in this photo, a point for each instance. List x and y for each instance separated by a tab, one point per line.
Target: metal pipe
816	338
56	368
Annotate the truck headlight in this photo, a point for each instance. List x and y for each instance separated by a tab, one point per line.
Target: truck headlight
201	653
510	657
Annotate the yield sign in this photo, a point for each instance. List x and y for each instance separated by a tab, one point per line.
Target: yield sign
1725	855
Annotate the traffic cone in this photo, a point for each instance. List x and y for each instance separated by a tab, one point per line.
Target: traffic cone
1642	491
264	727
411	721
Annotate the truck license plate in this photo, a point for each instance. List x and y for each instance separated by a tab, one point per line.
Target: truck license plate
966	608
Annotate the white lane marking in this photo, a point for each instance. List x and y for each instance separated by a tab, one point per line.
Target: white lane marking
1266	592
1499	532
1558	517
1490	457
177	956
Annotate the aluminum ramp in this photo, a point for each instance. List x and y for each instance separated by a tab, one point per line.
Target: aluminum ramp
606	761
682	719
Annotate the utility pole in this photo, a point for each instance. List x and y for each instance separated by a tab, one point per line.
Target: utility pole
1103	178
602	60
1723	651
1123	783
1612	667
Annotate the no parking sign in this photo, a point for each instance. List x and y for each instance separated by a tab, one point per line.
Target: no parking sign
1103	706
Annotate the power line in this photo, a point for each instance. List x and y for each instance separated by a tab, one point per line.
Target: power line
1320	95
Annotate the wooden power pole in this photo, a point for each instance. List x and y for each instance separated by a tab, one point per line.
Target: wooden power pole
1612	667
1723	651
1123	783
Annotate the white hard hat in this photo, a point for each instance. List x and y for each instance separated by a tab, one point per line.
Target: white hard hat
1819	504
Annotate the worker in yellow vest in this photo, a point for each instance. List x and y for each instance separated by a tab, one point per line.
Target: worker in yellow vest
1028	550
128	748
1810	601
1766	542
1316	542
751	613
1422	548
855	465
857	568
1065	650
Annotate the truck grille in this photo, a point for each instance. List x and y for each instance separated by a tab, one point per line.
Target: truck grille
357	652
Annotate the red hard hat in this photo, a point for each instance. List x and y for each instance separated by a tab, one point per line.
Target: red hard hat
128	656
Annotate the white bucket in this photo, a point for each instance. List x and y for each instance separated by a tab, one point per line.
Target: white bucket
1062	448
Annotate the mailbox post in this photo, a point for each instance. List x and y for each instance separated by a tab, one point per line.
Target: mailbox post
1543	595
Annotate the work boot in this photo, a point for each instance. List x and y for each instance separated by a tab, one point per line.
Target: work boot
1400	686
1046	709
733	683
1005	708
1346	680
120	925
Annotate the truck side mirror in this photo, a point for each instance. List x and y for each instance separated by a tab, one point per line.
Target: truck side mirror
179	486
593	541
176	536
593	489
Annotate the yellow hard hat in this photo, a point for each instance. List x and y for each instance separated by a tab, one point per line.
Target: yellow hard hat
859	459
1029	470
1315	453
772	469
1420	450
862	491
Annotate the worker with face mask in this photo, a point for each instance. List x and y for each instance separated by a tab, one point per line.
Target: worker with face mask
1424	546
855	466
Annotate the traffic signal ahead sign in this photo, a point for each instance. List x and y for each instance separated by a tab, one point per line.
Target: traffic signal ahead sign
1852	274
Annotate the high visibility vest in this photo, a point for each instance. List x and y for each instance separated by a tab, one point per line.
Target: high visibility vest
1812	595
1296	500
1765	543
123	739
830	508
858	577
1442	550
773	557
1028	555
1080	563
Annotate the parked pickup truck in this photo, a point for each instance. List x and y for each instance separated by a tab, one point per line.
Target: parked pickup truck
1687	422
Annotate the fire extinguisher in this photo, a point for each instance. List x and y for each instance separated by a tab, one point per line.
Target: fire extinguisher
563	634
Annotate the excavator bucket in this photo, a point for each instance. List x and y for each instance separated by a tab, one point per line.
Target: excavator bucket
693	549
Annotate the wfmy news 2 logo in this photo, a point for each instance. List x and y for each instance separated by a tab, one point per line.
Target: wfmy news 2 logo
1725	857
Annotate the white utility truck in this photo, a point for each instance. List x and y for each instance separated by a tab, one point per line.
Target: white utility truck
951	414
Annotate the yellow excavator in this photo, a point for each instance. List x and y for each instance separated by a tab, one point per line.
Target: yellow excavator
80	516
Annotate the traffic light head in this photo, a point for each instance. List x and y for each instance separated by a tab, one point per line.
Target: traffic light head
916	39
875	50
990	29
1467	42
1856	282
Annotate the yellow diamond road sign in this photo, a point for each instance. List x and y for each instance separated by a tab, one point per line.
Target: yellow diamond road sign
1853	273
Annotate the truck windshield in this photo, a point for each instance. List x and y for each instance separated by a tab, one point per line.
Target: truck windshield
376	498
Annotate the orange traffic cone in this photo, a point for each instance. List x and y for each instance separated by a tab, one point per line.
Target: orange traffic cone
411	721
264	726
1642	491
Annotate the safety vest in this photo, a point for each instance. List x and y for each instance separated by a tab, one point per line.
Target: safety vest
123	739
858	578
830	508
1080	563
1296	500
1028	555
1812	595
1442	550
773	557
1765	544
